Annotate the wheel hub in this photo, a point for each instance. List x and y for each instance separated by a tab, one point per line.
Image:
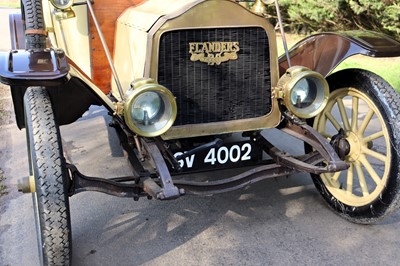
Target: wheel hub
355	146
340	144
26	184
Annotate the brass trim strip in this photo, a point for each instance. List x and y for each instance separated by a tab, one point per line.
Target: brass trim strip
194	130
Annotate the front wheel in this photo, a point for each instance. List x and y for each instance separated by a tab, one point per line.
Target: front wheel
363	114
47	169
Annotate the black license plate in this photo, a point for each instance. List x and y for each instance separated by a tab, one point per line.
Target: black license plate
229	155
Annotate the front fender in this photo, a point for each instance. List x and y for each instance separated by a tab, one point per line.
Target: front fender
323	52
17	33
68	87
46	67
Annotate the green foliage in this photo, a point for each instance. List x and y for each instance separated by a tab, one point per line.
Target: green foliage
331	15
10	4
387	68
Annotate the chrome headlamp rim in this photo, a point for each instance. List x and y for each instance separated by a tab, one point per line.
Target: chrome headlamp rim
139	89
292	77
62	7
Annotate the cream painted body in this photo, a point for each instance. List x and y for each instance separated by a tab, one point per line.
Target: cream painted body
133	38
71	35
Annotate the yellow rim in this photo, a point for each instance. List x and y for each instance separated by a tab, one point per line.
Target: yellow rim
369	156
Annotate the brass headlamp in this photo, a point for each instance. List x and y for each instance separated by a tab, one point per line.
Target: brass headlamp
63	9
150	108
303	91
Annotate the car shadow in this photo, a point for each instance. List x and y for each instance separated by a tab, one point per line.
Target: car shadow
287	214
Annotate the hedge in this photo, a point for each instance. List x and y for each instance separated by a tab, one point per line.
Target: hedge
331	15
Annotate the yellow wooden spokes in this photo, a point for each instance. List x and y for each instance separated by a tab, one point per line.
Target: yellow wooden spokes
361	179
365	130
364	161
343	114
366	121
334	122
374	136
350	178
375	154
354	118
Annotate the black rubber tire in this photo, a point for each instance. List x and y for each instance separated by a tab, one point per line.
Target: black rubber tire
388	104
33	15
47	166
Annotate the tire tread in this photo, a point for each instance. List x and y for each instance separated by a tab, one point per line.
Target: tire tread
52	200
34	20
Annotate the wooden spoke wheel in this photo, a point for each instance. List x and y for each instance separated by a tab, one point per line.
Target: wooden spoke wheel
362	115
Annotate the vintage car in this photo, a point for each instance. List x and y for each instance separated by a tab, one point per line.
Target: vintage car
191	86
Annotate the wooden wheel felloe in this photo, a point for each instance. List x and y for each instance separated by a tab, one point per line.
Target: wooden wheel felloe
369	155
363	111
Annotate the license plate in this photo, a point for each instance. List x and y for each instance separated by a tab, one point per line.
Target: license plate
229	155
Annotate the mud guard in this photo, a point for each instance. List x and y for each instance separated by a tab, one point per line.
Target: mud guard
17	34
70	96
325	51
70	101
47	67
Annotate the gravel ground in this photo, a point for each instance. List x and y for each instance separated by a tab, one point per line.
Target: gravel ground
5	119
4	102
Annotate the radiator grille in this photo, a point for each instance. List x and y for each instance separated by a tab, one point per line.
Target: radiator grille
205	93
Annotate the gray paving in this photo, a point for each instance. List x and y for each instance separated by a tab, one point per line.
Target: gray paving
275	222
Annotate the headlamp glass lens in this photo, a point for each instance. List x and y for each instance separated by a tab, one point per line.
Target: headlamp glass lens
62	3
304	93
147	108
